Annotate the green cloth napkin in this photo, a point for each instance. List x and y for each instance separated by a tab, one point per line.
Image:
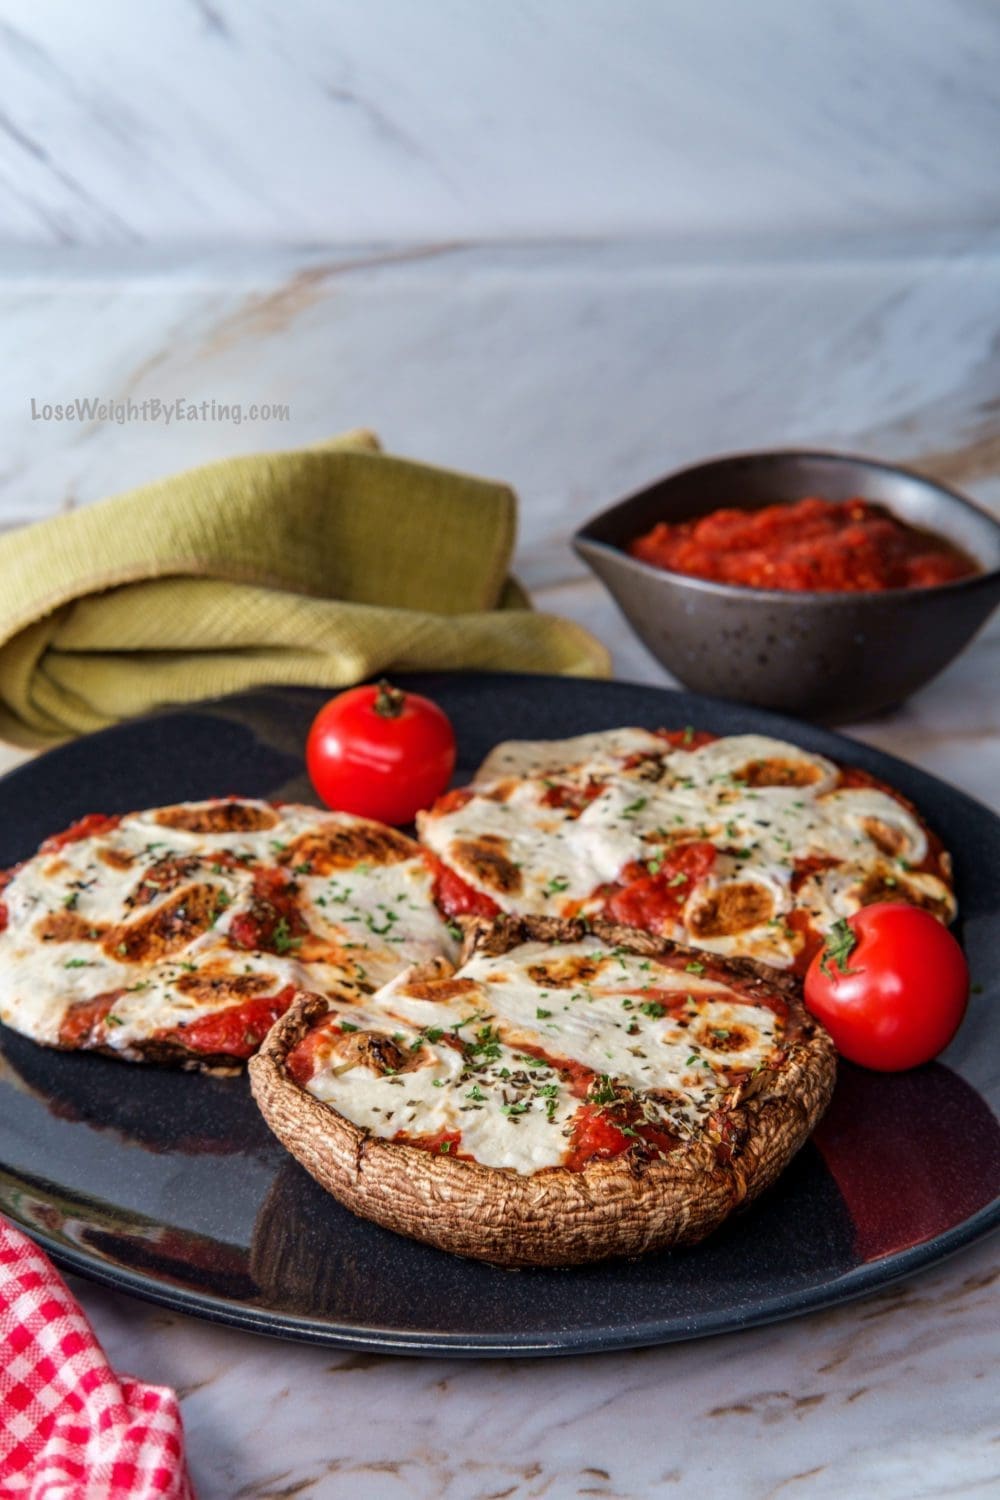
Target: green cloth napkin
321	566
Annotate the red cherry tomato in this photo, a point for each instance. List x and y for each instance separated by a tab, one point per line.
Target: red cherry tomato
890	985
380	753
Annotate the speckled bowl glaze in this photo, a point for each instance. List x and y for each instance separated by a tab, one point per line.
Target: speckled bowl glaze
826	657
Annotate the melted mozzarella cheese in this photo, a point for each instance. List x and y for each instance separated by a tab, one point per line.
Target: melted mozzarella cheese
718	793
724	759
514	1109
604	750
372	920
522	823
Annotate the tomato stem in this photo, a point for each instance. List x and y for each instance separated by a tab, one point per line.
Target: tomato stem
389	700
840	944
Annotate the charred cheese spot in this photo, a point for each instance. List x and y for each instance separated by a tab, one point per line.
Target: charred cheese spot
727	909
881	885
669	837
808	866
169	928
219	817
487	858
501	791
719	1038
438	989
118	859
206	987
163	876
885	837
67	927
337	847
775	771
565	973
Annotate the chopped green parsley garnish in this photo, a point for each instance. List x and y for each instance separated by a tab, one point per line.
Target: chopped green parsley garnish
602	1090
430	1034
283	939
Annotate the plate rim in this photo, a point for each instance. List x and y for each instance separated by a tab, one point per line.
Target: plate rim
412	679
858	1282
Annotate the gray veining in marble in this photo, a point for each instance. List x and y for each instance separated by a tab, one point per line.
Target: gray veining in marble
203	121
894	1396
572	245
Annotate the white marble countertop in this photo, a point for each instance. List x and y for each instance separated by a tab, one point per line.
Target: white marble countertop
894	1396
578	371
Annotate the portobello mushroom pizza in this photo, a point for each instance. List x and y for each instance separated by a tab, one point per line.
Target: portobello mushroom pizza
179	934
569	1092
742	845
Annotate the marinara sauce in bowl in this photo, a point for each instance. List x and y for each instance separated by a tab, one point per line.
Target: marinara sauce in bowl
809	545
815	583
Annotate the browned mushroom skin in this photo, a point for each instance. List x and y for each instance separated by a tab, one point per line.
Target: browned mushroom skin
557	1217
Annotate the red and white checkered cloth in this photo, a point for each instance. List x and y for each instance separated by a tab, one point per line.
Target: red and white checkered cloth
70	1429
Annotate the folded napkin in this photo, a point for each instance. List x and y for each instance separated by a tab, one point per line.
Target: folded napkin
70	1429
321	566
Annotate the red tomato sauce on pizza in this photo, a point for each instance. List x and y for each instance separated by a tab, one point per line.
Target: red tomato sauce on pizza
454	896
238	1030
84	828
854	546
598	1136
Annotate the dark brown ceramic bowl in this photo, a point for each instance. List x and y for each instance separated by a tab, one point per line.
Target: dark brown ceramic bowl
828	657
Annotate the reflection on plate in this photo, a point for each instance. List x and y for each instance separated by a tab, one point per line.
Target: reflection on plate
188	1114
912	1154
169	1185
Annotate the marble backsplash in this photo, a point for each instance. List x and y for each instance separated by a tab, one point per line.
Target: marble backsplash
576	371
200	122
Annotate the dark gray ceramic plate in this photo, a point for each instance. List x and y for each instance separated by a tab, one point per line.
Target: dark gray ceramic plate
169	1185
